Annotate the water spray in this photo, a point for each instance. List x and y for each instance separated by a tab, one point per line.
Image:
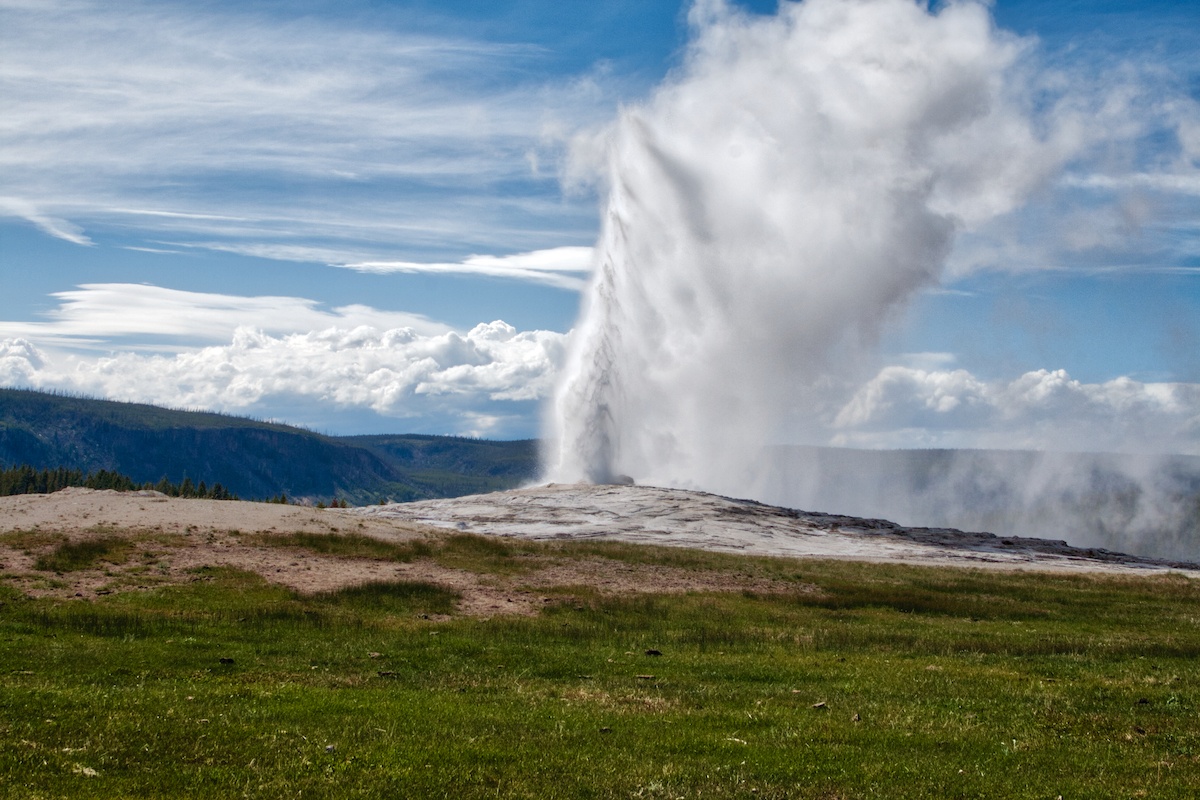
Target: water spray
776	199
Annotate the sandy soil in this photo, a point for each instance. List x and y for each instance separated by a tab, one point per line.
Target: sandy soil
174	537
171	538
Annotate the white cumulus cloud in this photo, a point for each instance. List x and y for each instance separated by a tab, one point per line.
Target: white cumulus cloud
351	367
483	382
20	362
1040	410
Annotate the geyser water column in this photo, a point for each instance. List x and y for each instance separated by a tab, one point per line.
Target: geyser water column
796	179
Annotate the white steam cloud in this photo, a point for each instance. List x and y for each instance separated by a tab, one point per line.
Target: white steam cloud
768	208
1143	504
787	191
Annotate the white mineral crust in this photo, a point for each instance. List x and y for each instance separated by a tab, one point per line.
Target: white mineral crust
679	518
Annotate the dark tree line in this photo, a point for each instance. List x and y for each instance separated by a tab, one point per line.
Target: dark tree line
26	480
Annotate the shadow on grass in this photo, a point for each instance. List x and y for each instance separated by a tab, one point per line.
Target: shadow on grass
465	551
487	554
347	545
230	598
73	556
394	597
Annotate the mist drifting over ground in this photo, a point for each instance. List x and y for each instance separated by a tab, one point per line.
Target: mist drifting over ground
781	196
1148	505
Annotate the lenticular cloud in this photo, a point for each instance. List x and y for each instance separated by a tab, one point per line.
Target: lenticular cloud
796	181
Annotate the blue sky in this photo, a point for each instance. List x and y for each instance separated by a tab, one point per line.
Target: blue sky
239	206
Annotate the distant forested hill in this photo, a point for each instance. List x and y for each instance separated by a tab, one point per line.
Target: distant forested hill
253	459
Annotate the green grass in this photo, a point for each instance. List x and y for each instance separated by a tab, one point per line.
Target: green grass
466	551
488	554
934	683
346	545
84	554
396	597
30	540
676	557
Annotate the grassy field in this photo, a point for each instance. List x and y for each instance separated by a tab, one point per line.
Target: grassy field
858	681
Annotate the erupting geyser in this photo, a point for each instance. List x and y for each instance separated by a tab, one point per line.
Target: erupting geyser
797	180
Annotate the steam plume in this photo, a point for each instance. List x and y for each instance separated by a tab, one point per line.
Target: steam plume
1134	503
796	181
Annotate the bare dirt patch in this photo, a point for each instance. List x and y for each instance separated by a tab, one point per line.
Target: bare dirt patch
170	539
504	553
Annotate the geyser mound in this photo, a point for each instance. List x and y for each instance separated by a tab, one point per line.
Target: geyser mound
681	518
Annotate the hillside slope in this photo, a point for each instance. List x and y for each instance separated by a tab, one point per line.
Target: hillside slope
251	458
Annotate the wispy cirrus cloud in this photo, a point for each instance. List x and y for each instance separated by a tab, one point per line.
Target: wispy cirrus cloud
58	228
226	127
353	142
97	314
564	267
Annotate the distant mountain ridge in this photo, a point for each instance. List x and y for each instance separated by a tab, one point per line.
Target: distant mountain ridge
252	458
